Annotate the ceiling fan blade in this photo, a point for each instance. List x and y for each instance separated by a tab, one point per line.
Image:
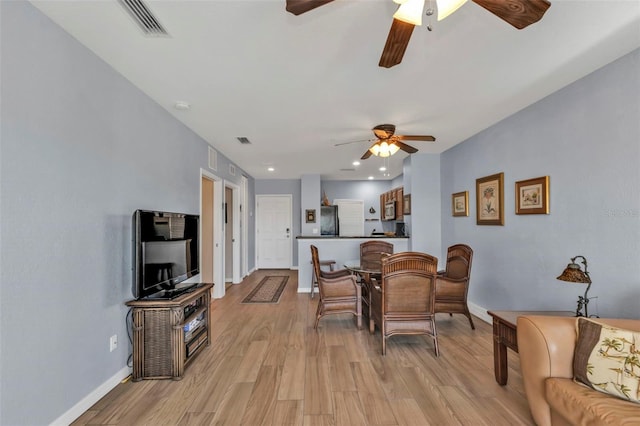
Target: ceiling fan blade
298	7
405	147
519	13
358	141
366	155
416	138
397	42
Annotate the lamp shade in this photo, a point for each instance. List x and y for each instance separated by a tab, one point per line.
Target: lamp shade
384	149
410	12
447	7
573	274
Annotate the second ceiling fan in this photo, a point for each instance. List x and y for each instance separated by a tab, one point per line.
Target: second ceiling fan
519	13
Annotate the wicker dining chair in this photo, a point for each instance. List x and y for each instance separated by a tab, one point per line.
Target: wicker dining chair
339	292
404	302
452	284
371	253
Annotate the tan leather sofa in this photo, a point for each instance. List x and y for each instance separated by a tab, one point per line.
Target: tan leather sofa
546	345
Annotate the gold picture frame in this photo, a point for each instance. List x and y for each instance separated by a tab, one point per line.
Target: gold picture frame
490	200
406	204
460	204
532	196
311	215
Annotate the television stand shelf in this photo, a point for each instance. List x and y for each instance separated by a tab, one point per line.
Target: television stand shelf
168	333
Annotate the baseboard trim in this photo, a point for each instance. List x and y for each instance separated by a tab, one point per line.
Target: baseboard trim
81	407
480	312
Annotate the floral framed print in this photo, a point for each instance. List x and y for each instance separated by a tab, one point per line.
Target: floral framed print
490	200
460	204
532	196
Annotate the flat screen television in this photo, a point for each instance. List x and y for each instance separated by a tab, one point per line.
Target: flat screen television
165	253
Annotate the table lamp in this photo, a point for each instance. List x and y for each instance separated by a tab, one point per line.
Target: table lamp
574	274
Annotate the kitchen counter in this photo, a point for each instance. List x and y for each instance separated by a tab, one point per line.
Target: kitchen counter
302	237
340	249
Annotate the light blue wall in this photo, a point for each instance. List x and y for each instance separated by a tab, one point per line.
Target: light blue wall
422	181
586	137
81	150
310	188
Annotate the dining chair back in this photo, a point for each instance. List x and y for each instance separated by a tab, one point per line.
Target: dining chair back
404	302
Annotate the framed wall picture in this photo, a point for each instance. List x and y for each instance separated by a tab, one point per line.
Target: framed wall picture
532	196
460	204
311	215
490	200
406	206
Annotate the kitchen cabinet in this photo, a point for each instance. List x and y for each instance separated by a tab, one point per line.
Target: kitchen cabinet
399	198
396	196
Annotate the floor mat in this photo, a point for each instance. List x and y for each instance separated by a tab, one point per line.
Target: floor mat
268	290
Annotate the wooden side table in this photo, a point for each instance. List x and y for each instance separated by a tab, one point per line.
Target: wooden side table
505	335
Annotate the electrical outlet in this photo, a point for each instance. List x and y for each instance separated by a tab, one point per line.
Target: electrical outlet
113	343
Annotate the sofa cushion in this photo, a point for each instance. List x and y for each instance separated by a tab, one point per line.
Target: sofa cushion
578	404
606	359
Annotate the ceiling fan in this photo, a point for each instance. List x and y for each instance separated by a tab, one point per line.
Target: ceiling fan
388	143
519	13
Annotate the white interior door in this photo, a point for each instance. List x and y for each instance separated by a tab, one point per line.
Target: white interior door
216	233
350	217
273	229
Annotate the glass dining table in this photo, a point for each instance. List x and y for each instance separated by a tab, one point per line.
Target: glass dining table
367	272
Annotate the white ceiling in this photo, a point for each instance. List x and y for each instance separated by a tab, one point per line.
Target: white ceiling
297	85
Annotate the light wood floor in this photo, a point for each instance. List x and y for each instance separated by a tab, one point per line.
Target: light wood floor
267	366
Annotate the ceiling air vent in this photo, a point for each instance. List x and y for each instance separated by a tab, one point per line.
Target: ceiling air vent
243	140
143	17
347	170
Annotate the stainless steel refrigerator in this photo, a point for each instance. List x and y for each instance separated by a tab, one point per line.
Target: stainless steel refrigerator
329	220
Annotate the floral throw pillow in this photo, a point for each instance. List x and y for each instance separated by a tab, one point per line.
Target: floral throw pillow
607	359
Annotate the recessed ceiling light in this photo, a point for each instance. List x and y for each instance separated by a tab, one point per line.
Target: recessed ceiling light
382	169
271	169
182	106
356	163
370	177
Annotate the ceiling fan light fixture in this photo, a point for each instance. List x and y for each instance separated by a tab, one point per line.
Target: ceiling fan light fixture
410	12
384	149
447	7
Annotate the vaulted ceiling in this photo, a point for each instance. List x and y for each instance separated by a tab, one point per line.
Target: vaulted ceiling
296	86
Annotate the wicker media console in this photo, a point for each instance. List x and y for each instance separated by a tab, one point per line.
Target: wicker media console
168	333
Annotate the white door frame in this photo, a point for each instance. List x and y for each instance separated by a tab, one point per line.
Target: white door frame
218	232
244	212
257	220
235	211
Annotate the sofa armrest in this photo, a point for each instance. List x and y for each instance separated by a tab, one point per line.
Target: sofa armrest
545	346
